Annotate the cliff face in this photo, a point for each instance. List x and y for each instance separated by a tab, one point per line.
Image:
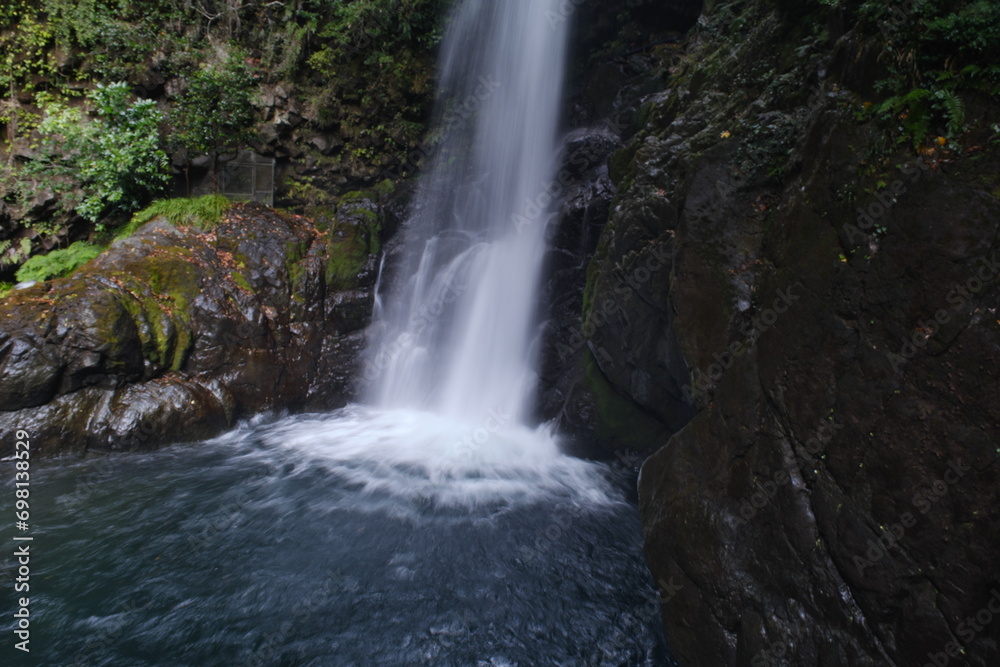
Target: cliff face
814	311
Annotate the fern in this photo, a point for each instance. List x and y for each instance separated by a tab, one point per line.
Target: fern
938	51
913	111
953	109
58	263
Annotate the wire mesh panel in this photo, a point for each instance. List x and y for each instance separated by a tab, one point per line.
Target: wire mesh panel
248	177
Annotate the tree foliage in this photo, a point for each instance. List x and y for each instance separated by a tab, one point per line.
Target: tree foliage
215	113
347	61
108	163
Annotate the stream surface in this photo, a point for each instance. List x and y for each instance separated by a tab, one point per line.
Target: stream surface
362	537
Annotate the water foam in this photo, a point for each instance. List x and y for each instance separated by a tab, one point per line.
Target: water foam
422	458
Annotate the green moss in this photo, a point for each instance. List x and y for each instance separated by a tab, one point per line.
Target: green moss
160	291
370	216
622	167
324	217
144	312
200	212
240	280
594	267
385	189
5	288
355	196
58	263
345	261
294	254
588	288
620	420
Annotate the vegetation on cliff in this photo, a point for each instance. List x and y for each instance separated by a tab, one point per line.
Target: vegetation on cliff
338	92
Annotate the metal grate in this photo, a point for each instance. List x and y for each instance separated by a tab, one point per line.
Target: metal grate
248	177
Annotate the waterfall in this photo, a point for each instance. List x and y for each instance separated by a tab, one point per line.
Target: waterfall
455	329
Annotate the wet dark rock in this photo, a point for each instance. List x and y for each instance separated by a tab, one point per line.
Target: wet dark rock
43	205
175	333
586	193
831	492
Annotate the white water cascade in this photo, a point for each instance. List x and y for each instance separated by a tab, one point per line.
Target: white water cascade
453	328
456	334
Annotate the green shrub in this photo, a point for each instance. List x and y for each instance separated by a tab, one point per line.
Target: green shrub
58	263
110	164
202	212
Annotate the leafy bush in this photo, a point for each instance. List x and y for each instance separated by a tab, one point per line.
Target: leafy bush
111	164
202	212
58	263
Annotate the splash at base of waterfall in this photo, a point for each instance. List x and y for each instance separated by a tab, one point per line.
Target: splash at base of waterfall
425	460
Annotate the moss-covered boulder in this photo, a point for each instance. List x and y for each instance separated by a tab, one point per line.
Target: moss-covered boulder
175	332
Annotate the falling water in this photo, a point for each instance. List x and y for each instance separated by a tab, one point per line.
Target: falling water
455	336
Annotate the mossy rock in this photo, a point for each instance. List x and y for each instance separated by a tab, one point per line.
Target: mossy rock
346	257
159	293
620	421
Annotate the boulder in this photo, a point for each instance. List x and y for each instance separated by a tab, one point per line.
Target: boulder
175	333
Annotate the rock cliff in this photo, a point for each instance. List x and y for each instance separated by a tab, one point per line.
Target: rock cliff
812	311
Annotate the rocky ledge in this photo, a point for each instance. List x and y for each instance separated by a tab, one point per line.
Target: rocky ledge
175	333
